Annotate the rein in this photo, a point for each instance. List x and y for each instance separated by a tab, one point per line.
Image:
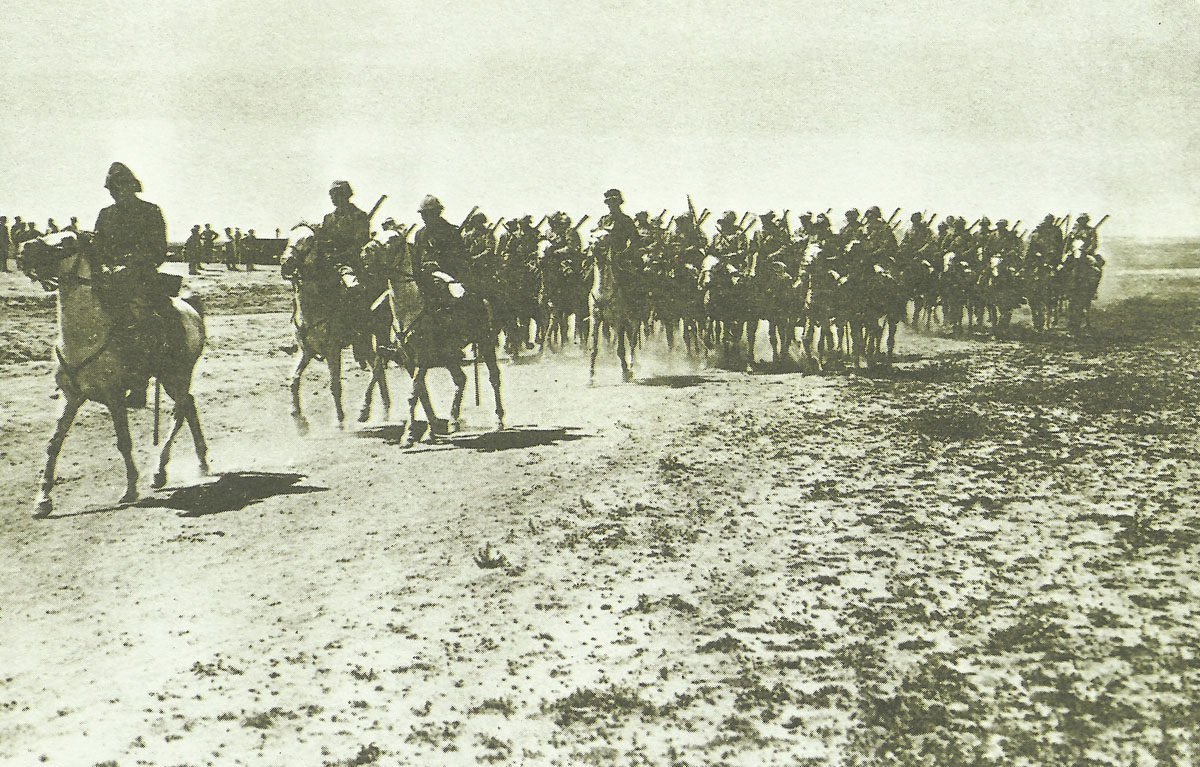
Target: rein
72	371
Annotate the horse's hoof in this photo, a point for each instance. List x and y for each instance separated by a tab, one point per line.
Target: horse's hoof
205	471
44	507
364	416
159	481
302	427
627	376
128	498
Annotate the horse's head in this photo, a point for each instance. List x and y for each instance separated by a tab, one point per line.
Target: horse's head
53	257
300	251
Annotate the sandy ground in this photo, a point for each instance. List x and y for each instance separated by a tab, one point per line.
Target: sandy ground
987	555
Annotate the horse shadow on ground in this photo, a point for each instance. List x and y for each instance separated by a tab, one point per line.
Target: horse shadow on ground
512	438
673	381
233	491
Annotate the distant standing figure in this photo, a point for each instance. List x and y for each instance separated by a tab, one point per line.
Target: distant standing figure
192	249
230	250
250	250
51	227
5	243
208	239
74	225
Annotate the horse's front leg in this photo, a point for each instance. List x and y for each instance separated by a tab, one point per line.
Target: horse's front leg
594	328
460	388
334	362
303	357
120	419
66	417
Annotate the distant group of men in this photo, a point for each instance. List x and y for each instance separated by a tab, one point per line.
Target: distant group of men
19	231
203	245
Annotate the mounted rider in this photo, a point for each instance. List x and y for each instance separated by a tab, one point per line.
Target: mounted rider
130	244
1084	233
917	239
729	243
770	243
622	233
441	267
686	242
344	232
1045	244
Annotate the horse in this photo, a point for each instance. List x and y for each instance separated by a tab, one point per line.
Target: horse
676	300
954	289
1081	273
561	295
615	300
433	336
96	363
326	319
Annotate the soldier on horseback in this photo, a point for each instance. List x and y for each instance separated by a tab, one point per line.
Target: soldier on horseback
441	268
1089	240
729	243
686	242
131	243
1045	244
344	232
623	233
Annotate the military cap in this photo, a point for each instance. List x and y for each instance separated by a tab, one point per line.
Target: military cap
768	216
1002	222
119	174
341	186
874	212
915	218
613	195
561	216
388	223
985	221
478	219
728	217
511	224
1049	219
1083	217
642	216
430	204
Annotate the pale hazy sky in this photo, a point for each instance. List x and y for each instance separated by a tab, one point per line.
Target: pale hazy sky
243	112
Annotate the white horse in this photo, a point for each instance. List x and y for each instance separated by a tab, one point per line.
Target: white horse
324	321
93	358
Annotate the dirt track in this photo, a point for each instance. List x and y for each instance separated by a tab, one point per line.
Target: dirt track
988	555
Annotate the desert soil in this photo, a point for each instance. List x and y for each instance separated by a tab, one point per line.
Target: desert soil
984	555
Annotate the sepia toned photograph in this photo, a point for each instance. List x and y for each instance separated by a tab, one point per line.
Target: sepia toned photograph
625	384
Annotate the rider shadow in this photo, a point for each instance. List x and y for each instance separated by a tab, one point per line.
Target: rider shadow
516	438
232	491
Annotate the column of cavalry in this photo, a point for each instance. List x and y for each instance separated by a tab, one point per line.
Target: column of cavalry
420	295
